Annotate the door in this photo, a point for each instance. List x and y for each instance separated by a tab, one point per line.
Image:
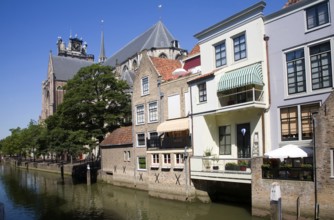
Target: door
243	140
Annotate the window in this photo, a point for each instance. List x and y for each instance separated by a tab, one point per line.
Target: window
202	92
167	159
144	86
129	155
321	66
225	140
163	55
306	120
289	123
154	139
317	15
153	112
239	47
179	159
155	158
174	107
220	51
140	114
141	163
296	71
141	139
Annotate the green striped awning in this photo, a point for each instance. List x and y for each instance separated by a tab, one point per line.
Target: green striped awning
249	75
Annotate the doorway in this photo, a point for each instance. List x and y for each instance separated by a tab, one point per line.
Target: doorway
243	140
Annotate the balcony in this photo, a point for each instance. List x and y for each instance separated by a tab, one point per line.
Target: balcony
217	169
245	96
168	143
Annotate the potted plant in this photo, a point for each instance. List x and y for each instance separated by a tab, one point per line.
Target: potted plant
208	152
243	165
231	166
216	160
285	166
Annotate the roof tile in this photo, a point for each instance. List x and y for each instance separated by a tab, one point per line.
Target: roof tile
165	67
120	136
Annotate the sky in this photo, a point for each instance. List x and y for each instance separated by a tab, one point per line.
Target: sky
30	28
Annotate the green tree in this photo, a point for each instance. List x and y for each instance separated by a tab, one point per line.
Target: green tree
95	101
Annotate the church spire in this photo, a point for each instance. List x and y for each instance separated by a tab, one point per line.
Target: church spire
102	56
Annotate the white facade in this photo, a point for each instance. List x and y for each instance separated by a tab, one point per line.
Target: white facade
230	127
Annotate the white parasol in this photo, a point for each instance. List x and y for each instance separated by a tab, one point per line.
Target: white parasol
290	151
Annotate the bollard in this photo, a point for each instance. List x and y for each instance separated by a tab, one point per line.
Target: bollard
275	202
88	175
62	171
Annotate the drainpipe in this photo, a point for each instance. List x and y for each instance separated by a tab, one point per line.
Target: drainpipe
316	205
266	39
192	132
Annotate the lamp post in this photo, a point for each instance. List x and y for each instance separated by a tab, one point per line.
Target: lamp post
316	206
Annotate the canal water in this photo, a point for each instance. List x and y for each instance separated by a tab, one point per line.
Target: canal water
30	195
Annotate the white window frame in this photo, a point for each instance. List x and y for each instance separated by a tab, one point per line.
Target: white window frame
128	155
138	167
166	156
155	160
142	121
154	113
308	74
145	88
319	25
179	157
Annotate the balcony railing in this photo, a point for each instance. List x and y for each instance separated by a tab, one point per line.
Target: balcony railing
168	142
293	173
251	95
221	169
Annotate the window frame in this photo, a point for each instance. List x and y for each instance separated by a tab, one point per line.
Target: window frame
321	66
292	58
221	53
145	86
290	121
332	162
179	159
138	163
316	14
153	115
140	114
202	92
223	149
237	44
138	139
166	159
155	159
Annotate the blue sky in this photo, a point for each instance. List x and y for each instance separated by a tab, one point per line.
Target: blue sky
29	31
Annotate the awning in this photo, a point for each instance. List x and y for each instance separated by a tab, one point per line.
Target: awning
290	151
249	75
174	125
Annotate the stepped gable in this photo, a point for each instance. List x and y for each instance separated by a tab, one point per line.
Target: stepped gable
120	136
165	67
194	51
65	68
157	36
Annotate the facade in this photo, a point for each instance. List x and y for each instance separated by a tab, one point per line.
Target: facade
229	101
117	161
300	49
61	68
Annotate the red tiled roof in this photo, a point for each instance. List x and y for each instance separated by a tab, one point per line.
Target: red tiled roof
165	67
120	136
290	2
194	51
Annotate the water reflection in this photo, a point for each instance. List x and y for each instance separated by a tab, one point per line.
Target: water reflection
39	195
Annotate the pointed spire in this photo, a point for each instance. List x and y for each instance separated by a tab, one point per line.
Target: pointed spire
102	57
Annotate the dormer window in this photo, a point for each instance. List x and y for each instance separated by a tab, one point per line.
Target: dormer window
317	15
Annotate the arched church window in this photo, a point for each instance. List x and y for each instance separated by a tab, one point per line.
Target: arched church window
163	55
125	68
134	64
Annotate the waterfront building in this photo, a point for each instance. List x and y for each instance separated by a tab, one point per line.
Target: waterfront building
117	160
229	103
300	47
